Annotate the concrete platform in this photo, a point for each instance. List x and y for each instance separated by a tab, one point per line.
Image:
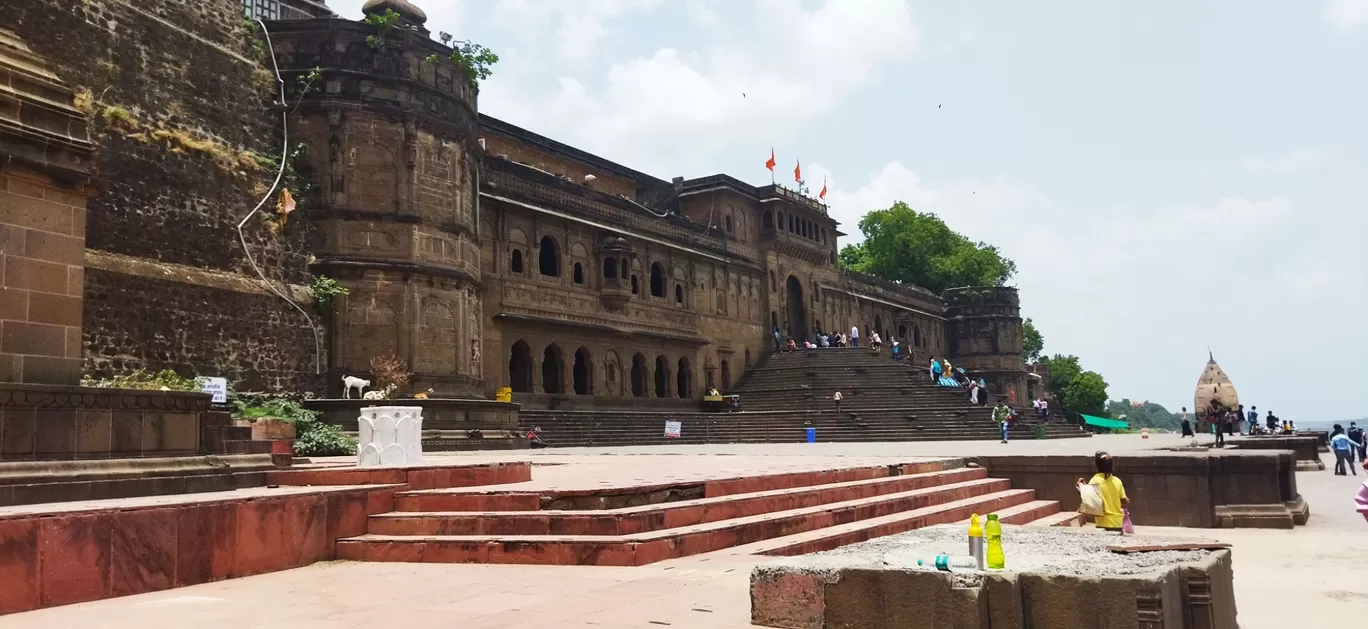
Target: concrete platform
1056	578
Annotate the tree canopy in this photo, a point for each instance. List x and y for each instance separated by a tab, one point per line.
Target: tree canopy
1077	390
907	246
1032	343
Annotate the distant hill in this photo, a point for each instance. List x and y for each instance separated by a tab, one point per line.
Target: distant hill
1144	414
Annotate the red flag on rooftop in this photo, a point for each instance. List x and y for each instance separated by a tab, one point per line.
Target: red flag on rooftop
822	194
798	172
771	163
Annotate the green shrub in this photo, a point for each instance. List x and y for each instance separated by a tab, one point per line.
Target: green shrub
313	437
145	380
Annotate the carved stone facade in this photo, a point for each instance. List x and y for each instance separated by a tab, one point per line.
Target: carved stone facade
594	284
483	254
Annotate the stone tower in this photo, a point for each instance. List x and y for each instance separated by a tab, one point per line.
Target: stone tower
984	330
391	146
1214	385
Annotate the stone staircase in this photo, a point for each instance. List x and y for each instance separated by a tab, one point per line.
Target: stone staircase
885	400
780	514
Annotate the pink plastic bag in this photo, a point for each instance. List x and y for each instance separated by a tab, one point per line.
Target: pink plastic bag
1361	500
1126	527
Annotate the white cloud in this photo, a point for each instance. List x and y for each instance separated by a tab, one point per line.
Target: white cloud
1346	14
1297	162
576	27
676	110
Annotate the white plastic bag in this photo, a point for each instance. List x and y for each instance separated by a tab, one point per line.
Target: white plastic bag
1089	500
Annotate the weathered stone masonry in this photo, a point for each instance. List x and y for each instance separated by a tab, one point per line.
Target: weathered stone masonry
178	108
482	253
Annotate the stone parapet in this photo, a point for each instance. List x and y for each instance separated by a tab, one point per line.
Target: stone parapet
448	424
47	422
1194	489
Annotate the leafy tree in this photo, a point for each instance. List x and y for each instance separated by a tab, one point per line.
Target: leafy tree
1086	393
1032	343
1063	369
904	245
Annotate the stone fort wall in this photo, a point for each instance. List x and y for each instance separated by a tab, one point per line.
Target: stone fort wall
178	101
484	254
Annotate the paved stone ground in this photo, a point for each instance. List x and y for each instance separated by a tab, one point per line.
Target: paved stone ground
1313	574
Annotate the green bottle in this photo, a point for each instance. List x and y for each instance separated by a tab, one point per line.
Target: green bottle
996	561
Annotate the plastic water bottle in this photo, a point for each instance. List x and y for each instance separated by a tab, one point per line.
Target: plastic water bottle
996	560
976	542
950	563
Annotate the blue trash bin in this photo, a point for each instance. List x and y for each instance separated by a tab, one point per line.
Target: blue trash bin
811	435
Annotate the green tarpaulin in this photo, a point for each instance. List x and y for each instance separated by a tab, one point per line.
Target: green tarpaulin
1103	422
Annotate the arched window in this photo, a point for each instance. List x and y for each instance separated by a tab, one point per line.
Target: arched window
657	280
548	260
610	268
578	273
729	225
679	293
902	331
516	264
766	220
781	220
793	224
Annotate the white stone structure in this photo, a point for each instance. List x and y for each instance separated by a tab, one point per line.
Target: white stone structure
390	436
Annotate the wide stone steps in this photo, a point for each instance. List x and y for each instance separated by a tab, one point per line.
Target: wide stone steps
852	533
649	547
785	513
631	520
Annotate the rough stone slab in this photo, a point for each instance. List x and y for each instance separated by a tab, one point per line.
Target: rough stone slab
1057	578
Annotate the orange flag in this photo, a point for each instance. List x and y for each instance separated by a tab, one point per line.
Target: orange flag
822	194
798	172
771	163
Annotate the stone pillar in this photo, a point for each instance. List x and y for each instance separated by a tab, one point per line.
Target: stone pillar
45	155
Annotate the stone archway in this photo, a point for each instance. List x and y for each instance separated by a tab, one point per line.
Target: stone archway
520	368
797	310
553	370
684	379
662	376
639	375
583	372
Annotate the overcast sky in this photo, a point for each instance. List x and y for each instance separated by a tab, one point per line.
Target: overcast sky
1185	175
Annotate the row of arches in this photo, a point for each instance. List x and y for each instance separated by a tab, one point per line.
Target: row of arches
795	225
660	378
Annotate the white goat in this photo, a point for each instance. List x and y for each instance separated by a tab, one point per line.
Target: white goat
379	394
352	382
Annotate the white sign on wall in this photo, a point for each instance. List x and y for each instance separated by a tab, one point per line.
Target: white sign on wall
216	387
672	428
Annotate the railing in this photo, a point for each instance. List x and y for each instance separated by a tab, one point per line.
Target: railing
284	9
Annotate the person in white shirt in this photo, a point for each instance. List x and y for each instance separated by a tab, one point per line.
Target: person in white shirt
854	336
837	397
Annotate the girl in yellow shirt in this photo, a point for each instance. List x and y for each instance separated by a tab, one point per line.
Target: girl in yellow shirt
1114	499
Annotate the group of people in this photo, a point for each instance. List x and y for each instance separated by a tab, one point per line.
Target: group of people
826	339
1224	421
1346	444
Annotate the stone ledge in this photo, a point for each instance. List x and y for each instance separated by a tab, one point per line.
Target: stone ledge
1064	585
